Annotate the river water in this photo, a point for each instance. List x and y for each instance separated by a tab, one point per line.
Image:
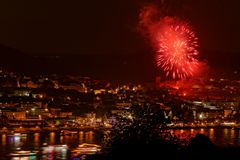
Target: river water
49	141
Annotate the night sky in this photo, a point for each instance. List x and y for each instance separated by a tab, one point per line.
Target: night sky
107	26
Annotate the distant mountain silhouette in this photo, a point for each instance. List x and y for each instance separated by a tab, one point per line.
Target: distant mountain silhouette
13	59
138	67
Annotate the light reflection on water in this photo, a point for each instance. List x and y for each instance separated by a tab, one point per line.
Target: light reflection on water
46	143
211	134
81	137
36	141
4	140
52	138
221	137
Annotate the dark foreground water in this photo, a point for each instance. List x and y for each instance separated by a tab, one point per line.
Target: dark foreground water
54	146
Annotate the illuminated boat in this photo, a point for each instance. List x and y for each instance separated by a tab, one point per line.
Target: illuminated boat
54	148
22	153
17	135
87	149
59	150
67	132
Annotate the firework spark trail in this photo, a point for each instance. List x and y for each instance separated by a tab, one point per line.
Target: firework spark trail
175	43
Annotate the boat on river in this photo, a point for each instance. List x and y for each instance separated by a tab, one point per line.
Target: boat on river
67	132
23	153
87	149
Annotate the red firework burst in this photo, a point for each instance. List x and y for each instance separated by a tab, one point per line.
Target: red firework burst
176	47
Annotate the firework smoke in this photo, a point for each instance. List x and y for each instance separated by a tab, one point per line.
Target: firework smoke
173	40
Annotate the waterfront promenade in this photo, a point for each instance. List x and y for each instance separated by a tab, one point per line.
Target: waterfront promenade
89	128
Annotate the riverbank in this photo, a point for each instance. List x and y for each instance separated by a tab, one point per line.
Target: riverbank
59	129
